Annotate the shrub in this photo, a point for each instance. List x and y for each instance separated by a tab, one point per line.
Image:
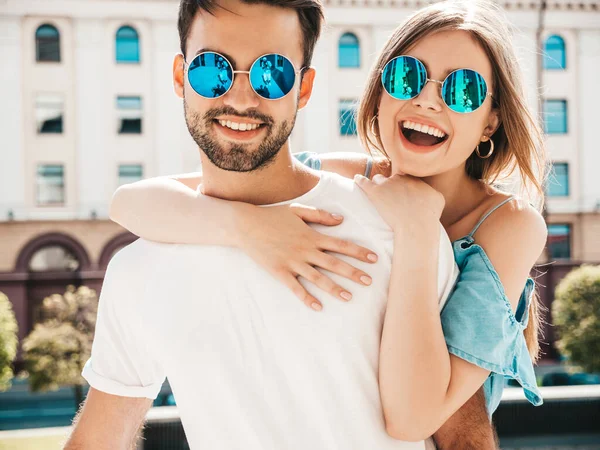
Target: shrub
57	349
576	314
8	342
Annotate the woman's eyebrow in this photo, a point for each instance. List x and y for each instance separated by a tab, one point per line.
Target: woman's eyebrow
446	72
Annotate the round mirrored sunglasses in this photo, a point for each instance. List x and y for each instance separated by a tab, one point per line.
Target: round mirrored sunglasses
463	90
272	76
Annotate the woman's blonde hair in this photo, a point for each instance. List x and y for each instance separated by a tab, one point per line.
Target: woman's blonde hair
518	141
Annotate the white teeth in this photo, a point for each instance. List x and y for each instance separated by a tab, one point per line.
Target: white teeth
423	128
239	126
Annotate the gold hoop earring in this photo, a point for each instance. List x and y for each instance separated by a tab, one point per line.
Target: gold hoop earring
489	153
372	125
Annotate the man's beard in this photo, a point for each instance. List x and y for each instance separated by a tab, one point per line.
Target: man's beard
238	157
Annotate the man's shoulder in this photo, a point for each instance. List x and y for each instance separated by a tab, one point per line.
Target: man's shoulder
131	272
138	257
338	182
140	248
346	194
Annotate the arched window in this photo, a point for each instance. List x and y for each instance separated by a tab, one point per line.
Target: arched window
348	51
53	258
47	44
555	53
127	45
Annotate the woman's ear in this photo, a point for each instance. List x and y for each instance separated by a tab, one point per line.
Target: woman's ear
306	87
178	75
493	122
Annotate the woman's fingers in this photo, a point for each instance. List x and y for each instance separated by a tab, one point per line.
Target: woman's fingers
347	248
315	215
299	291
336	265
323	282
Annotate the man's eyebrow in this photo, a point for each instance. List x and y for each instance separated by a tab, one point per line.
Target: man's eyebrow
229	58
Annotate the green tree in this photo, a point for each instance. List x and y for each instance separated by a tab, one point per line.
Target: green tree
576	314
8	342
57	349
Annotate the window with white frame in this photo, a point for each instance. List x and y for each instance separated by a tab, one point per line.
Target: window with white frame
130	173
129	115
49	111
50	184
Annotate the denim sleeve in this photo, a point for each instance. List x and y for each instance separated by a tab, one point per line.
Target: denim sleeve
480	327
309	159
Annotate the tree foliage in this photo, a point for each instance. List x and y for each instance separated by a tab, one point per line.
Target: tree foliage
57	349
9	341
576	314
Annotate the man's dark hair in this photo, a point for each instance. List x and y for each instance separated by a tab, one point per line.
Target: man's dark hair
310	14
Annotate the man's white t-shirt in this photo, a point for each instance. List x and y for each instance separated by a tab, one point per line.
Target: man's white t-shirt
249	364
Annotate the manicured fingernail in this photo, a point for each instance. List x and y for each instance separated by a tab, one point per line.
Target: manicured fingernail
372	257
337	216
346	295
366	280
316	307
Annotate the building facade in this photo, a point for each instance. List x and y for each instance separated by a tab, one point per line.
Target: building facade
88	104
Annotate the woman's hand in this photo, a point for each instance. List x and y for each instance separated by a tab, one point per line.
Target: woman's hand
279	239
402	199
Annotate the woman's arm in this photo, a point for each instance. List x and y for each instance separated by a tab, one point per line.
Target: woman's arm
163	209
166	209
171	210
349	164
421	384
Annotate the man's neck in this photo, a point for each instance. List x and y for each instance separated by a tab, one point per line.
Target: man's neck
280	180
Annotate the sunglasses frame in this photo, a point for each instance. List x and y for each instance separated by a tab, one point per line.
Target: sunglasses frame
441	83
233	72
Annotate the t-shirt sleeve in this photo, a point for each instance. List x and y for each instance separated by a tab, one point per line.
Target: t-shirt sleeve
480	327
122	362
309	159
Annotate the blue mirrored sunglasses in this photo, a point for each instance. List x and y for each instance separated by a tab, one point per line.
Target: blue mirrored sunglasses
463	90
272	76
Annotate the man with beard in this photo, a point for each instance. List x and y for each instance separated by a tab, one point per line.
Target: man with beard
250	367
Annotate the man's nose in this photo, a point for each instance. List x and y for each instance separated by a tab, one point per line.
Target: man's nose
430	97
241	96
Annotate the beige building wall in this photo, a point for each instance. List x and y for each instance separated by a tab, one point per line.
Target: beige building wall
54	78
585	235
92	235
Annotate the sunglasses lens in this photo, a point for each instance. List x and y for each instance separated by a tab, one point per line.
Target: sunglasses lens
404	77
210	75
464	91
272	76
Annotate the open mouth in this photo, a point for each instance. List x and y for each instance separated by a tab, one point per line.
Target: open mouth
422	135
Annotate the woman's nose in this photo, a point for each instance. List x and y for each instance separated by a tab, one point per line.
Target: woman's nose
429	98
